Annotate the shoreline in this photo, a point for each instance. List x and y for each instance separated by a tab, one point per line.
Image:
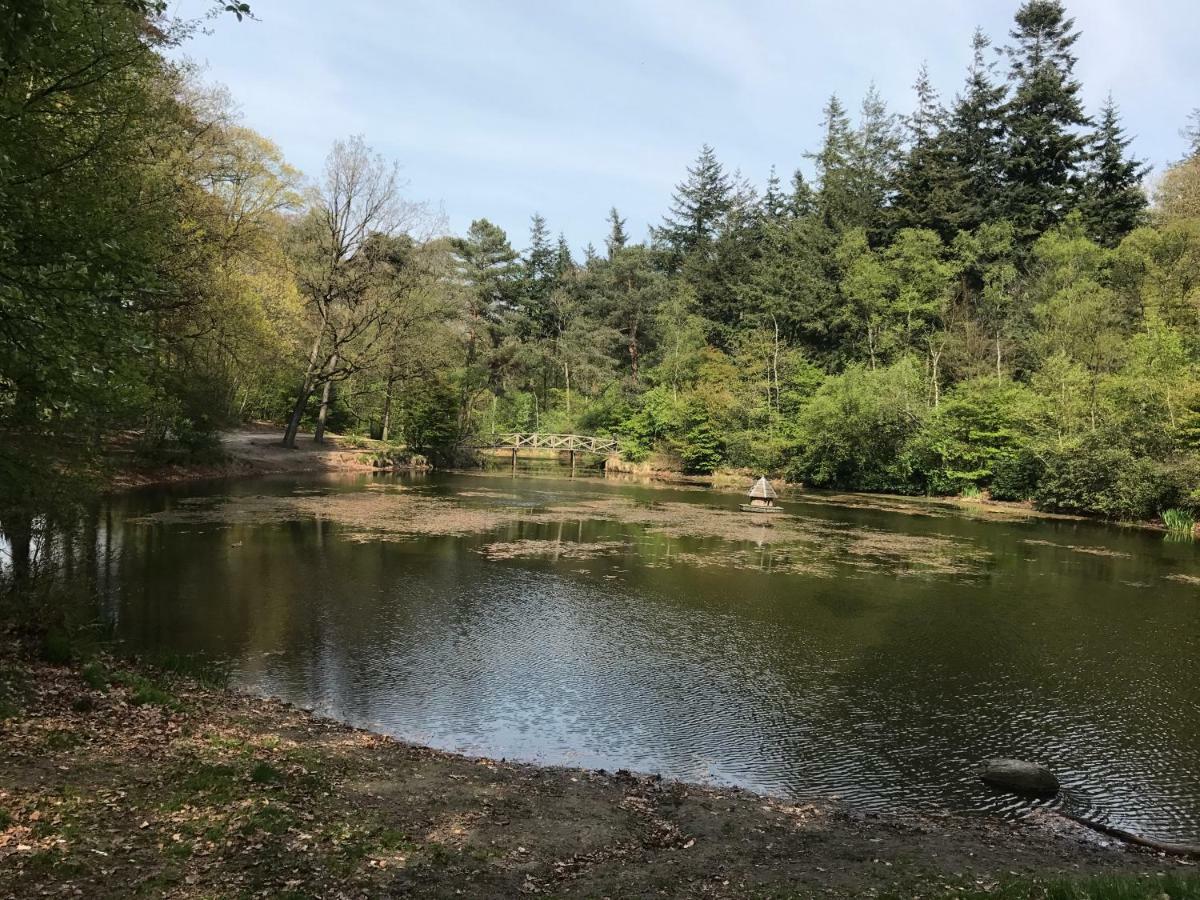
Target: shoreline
254	451
240	794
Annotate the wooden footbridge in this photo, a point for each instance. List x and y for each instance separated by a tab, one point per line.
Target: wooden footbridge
533	440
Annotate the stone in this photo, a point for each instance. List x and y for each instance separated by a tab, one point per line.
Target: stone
1019	776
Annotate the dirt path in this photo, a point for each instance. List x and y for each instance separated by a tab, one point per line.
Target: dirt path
119	785
258	450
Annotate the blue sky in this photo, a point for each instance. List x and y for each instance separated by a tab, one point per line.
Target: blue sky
500	109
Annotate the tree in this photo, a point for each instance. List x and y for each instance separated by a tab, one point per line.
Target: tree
617	238
488	271
975	145
1191	132
1177	197
924	176
1045	148
538	276
698	208
632	287
1112	202
835	201
342	266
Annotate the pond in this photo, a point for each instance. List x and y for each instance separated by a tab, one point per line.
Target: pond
869	650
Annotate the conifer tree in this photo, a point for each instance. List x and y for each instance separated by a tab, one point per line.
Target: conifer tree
1192	133
802	202
1045	148
774	201
617	238
834	195
975	144
875	155
698	207
539	274
1113	201
923	182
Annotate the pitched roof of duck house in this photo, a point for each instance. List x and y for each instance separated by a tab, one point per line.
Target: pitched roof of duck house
762	490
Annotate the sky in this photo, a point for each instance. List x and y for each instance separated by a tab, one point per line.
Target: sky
499	109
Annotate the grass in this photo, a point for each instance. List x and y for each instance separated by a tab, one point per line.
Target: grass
1123	887
971	492
143	691
1179	521
265	773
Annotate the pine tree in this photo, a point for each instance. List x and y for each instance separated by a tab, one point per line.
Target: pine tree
488	267
834	194
923	182
564	262
876	153
539	275
774	201
1191	133
802	201
975	144
1113	202
698	207
617	238
1045	146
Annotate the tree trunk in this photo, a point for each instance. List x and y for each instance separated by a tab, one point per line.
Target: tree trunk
633	351
319	433
18	528
306	389
387	412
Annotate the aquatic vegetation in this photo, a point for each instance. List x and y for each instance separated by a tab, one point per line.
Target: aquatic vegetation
527	549
793	544
1080	548
1179	521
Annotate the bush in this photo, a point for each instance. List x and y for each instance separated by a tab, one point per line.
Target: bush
854	431
968	438
1015	477
1109	481
701	450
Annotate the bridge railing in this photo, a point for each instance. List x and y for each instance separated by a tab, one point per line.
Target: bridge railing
579	443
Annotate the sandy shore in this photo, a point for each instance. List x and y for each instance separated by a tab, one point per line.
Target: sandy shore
122	783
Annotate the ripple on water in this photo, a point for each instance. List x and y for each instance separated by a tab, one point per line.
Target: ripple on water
651	637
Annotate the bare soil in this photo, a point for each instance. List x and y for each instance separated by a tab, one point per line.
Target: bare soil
258	450
130	784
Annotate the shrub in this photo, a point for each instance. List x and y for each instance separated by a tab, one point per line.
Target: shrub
702	448
1109	481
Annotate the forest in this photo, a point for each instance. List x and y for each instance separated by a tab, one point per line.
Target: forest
984	295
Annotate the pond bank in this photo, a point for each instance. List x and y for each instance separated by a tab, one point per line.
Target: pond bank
124	782
258	450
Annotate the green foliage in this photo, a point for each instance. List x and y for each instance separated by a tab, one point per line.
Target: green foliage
854	431
1182	521
966	298
974	433
701	448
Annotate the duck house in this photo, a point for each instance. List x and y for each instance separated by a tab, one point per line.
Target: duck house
762	498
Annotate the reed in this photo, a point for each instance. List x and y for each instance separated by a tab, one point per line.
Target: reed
1179	521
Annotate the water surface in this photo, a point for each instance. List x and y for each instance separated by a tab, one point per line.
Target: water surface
869	654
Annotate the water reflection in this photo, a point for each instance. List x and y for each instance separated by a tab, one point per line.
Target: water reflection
871	655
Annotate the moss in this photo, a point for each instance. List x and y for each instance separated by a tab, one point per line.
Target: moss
143	691
265	773
63	739
95	675
1124	887
272	818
